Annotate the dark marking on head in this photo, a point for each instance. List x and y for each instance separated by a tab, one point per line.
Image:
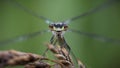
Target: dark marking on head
58	25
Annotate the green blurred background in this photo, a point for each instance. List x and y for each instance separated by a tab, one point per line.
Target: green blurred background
93	53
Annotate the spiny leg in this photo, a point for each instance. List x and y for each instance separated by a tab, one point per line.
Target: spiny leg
53	41
67	47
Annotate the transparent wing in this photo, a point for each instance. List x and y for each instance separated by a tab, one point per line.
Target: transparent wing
98	8
15	3
97	37
22	38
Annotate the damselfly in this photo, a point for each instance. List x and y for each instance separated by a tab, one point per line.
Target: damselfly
102	7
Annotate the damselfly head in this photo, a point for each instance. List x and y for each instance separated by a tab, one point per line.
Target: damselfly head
58	28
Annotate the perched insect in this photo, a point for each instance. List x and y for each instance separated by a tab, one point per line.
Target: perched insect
59	28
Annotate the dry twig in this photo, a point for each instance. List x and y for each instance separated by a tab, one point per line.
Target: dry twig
29	60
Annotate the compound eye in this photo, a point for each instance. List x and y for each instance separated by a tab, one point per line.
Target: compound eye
65	26
51	26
